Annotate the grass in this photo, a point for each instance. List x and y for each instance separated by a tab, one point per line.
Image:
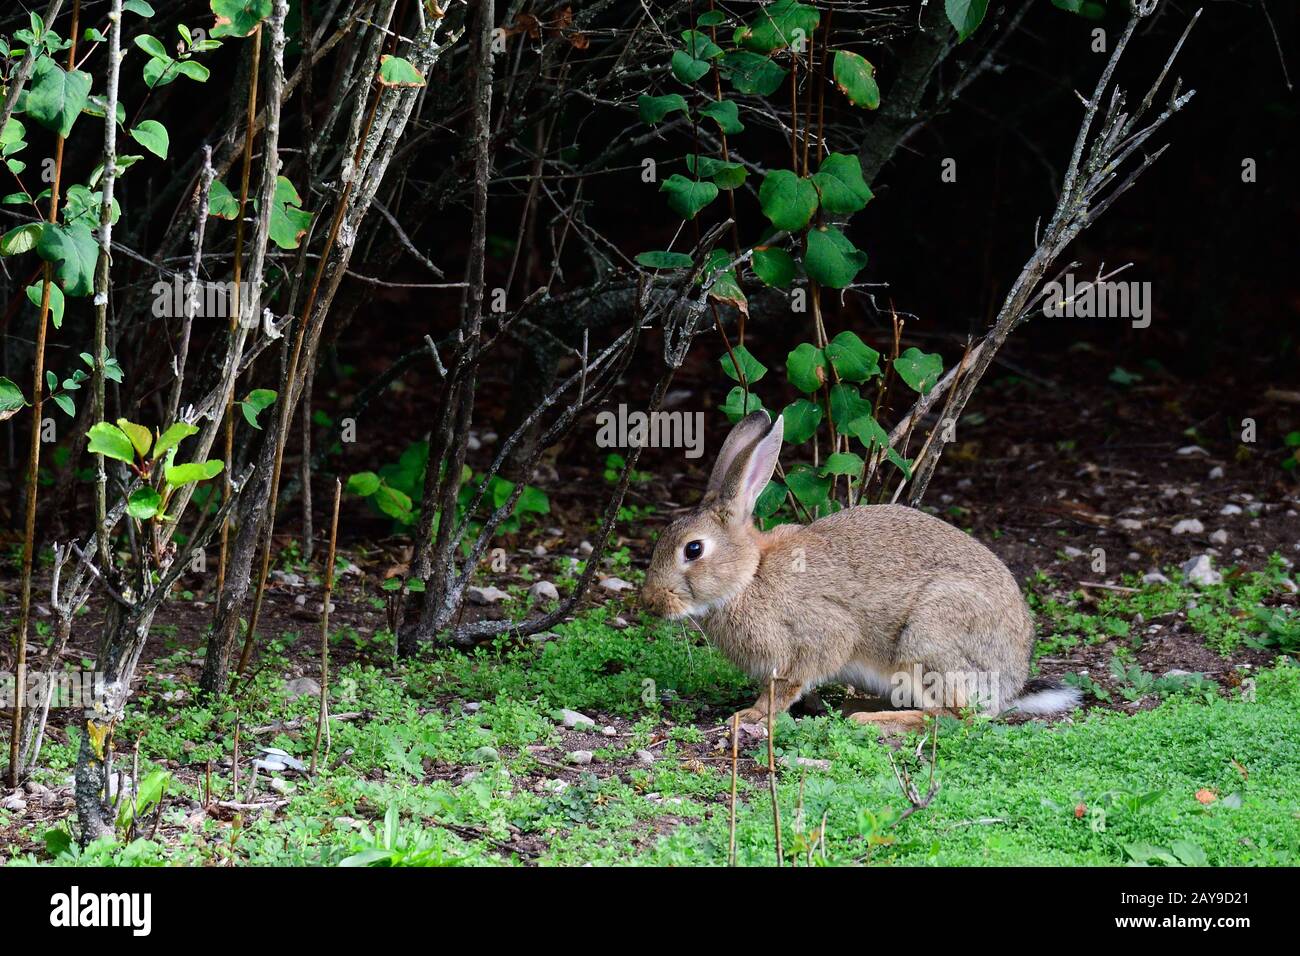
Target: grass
457	761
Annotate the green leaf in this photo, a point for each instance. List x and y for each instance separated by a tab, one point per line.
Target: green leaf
13	132
194	70
110	441
801	420
699	46
54	97
725	114
11	399
770	499
143	504
724	286
754	369
737	406
751	73
856	77
141	437
774	266
289	223
64	401
854	360
787	200
868	431
1089	9
687	197
686	68
238	18
965	15
711	18
840	184
831	259
778	25
726	175
363	483
920	370
256	401
532	501
74	252
394	71
152	135
664	260
394	503
807	485
178	475
843	463
653	109
805	367
82	208
847	405
20	239
152	46
221	201
172	437
139	7
34	293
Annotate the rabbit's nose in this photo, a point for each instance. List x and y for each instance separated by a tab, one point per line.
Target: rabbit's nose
652	598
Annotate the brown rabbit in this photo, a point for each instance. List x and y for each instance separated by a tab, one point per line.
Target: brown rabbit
884	597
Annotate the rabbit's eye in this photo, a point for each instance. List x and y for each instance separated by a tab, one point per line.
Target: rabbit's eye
693	550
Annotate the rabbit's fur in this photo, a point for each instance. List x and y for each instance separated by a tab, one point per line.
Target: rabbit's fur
880	597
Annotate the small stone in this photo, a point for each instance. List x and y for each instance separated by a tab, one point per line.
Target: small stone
288	578
301	687
34	788
1288	586
1200	572
1230	509
571	718
14	802
488	595
555	786
1216	473
615	585
1188	526
473	707
1219	537
1129	524
544	591
472	442
300	600
585	548
609	731
539	551
1193	450
581	757
485	755
619	624
645	758
1154	577
810	762
280	785
1176	672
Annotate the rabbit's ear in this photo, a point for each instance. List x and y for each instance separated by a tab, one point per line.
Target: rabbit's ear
746	431
751	471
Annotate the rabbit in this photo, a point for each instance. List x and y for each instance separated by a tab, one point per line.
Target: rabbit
883	597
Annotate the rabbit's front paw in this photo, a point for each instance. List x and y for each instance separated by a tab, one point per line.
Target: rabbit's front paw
750	715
